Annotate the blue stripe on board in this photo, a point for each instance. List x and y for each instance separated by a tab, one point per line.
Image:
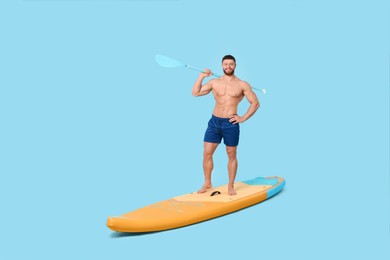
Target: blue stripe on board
262	181
271	192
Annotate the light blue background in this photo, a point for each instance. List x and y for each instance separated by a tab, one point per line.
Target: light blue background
91	126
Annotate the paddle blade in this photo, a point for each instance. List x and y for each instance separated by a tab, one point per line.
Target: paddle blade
167	62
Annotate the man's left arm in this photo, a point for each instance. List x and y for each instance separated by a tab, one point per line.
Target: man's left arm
254	105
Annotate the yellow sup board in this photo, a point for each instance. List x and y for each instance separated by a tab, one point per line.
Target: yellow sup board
193	207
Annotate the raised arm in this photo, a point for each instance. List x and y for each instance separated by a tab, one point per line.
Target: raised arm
200	90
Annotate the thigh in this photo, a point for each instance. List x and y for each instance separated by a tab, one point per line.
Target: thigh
209	148
212	134
231	134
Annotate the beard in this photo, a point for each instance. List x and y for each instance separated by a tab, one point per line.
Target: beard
228	73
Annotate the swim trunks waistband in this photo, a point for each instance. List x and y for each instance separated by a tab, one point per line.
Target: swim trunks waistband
220	118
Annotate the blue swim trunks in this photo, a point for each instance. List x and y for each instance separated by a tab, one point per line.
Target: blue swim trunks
219	128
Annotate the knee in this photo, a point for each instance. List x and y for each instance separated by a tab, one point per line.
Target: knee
207	155
232	155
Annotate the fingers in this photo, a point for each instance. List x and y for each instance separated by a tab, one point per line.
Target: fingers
207	72
235	119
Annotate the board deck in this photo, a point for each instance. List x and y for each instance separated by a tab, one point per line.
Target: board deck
192	208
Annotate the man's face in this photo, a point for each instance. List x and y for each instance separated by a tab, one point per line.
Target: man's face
228	67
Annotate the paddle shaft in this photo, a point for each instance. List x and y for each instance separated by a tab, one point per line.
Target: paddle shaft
194	68
167	62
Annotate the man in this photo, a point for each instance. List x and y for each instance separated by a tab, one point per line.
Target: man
228	92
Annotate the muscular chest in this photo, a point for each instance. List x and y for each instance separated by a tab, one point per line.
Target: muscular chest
227	91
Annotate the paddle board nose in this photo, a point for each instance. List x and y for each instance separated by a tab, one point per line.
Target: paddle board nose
110	222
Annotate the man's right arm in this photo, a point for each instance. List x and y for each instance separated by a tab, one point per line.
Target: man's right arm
200	90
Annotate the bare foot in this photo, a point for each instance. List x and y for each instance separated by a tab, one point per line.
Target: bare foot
231	191
205	188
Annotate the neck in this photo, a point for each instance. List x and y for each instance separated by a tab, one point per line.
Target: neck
229	77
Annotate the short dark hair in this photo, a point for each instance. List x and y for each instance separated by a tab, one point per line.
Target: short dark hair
228	57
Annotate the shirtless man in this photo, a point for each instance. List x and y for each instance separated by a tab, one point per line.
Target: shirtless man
228	92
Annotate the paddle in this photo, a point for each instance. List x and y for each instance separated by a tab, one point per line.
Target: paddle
167	62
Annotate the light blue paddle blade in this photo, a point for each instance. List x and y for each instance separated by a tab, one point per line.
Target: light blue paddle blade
167	62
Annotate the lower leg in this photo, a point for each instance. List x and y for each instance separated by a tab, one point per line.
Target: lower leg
232	168
208	165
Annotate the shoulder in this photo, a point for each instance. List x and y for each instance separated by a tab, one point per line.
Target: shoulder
213	81
210	84
245	85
